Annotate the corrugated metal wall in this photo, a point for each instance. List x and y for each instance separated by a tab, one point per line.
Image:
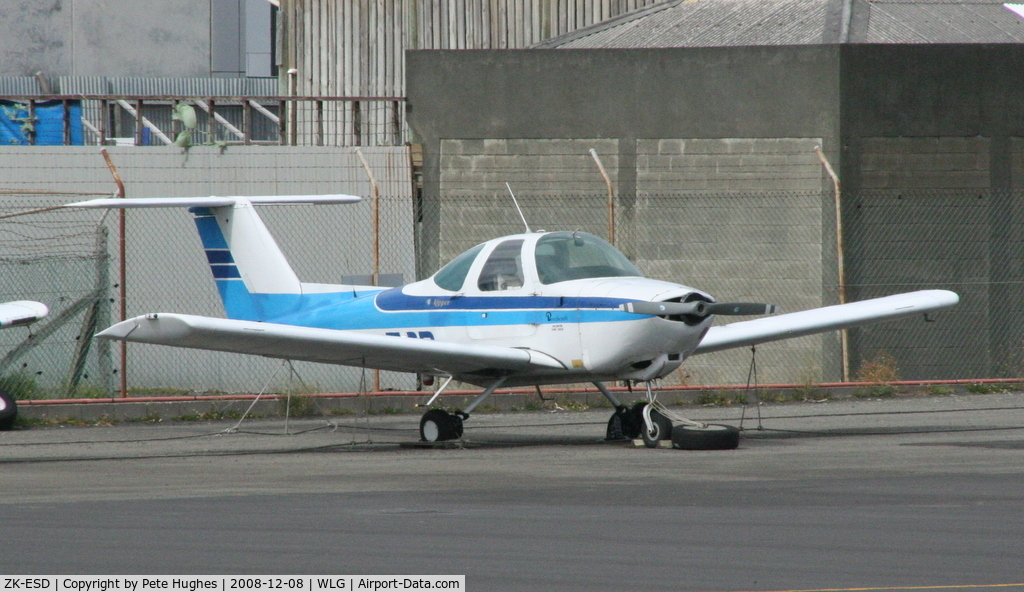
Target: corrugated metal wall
356	47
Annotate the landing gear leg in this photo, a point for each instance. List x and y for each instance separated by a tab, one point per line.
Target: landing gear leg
656	426
437	425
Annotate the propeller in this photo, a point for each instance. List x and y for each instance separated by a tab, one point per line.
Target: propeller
699	308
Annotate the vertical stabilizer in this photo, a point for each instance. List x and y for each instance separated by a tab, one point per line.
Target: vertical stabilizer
252	275
254	279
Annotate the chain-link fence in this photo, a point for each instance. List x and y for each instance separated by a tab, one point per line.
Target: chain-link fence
62	259
779	248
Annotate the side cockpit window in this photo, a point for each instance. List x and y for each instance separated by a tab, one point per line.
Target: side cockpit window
452	276
504	268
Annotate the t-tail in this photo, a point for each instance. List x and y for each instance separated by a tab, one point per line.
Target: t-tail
253	277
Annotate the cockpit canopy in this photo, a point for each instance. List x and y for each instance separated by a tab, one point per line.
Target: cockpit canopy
556	257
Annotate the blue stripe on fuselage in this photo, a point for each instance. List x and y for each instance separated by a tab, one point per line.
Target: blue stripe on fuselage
395	300
342	312
307	310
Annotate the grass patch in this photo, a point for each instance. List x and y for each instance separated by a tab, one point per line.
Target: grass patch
986	389
298	405
212	415
881	368
20	386
385	410
158	392
714	399
875	392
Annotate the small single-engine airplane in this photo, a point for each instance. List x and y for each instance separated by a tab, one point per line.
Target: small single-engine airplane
522	310
15	314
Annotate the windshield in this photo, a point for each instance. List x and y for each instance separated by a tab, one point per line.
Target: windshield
563	256
452	276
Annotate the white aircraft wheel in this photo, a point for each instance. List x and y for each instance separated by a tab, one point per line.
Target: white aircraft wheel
711	437
438	425
8	410
661	429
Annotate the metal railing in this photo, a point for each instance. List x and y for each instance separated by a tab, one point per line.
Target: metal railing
148	120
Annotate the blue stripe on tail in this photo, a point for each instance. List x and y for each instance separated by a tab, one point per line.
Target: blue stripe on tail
238	302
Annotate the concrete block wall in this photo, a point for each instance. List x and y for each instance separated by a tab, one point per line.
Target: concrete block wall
925	163
704	216
728	164
924	216
744	223
556	182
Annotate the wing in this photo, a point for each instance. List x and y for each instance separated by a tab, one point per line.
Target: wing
21	312
349	348
820	320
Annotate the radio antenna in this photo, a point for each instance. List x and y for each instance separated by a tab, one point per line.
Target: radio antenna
518	209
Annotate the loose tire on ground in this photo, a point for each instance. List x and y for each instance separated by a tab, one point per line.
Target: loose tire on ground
8	410
711	437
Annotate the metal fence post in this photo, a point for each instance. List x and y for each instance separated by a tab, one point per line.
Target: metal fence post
122	275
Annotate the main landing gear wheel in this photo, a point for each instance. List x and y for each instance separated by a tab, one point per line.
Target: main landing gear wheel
709	437
661	426
437	425
8	411
622	425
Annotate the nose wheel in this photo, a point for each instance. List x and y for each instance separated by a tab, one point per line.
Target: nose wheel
654	426
437	425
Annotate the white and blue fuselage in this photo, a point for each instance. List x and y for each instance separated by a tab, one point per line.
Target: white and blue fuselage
531	291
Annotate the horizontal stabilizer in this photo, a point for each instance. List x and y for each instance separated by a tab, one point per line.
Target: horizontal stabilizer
213	201
820	320
349	348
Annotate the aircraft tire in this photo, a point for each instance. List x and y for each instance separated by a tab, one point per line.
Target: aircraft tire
711	437
662	429
8	411
622	425
437	425
456	426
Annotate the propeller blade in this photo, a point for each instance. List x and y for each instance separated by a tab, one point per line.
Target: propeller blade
698	308
741	308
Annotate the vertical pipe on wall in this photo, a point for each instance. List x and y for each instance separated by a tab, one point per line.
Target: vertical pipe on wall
840	270
611	196
376	238
293	117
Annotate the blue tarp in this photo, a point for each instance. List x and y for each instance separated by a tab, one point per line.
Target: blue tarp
49	123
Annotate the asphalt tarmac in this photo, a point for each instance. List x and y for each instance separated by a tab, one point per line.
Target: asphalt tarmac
908	493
